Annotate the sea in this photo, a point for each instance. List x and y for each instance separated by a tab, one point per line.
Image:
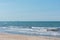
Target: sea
37	28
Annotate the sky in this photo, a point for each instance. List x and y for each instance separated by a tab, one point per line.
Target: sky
29	10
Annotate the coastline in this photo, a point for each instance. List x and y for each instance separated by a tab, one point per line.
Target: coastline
6	36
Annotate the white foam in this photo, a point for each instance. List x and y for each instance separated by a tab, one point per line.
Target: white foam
33	30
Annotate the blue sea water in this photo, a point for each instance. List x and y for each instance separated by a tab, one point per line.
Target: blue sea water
43	28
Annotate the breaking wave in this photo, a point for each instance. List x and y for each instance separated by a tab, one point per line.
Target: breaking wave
52	31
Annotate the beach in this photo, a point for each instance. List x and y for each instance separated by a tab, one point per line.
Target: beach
25	37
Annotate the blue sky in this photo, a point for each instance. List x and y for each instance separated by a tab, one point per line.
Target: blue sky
29	10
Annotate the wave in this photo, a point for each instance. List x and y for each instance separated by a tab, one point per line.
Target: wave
54	31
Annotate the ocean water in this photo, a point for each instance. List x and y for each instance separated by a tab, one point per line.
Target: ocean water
39	28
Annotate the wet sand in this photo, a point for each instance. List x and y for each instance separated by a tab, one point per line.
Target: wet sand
25	37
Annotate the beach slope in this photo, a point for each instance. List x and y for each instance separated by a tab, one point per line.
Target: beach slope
24	37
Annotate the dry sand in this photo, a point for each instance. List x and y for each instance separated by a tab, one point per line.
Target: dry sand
24	37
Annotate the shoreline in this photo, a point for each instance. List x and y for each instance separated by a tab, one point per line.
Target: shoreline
31	35
5	36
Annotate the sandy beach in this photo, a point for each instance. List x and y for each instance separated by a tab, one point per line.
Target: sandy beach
24	37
